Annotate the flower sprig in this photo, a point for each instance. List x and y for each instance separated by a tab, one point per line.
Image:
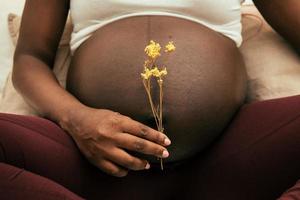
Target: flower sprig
153	52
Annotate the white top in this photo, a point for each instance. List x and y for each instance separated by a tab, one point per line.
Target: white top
223	16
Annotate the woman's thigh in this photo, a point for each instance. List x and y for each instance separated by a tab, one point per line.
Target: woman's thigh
40	146
256	158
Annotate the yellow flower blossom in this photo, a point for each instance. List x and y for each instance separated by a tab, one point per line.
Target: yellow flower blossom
170	47
153	49
147	73
158	73
151	69
163	72
155	72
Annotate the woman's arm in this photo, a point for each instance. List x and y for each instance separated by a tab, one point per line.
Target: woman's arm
41	28
101	135
284	17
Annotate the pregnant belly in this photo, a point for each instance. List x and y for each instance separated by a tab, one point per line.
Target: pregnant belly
204	87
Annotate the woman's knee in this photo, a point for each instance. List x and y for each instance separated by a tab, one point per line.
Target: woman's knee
25	140
19	124
40	146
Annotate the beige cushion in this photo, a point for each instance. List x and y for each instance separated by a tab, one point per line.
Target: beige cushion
11	101
273	67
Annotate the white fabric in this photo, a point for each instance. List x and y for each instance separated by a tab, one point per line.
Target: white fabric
248	2
220	15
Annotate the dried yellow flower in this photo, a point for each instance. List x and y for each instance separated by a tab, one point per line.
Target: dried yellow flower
146	74
159	73
170	47
153	49
155	72
163	72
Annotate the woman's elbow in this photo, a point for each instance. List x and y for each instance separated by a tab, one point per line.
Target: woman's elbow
16	72
22	70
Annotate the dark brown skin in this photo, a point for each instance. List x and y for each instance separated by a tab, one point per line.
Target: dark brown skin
284	17
102	135
205	85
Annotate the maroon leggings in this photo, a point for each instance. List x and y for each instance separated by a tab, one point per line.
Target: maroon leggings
257	157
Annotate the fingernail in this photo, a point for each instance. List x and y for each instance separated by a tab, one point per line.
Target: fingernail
167	141
147	166
165	154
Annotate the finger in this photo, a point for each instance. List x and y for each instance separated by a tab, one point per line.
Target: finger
111	168
121	157
131	142
140	130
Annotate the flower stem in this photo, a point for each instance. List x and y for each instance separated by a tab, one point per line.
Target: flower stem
148	90
160	128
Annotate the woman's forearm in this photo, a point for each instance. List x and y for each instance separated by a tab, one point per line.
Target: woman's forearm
34	79
284	17
41	28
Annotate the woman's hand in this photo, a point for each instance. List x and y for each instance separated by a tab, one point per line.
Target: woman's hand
104	135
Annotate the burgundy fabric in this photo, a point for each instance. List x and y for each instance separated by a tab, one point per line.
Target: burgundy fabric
256	158
18	184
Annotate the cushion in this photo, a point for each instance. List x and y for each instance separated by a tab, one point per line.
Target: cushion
6	50
11	101
273	67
